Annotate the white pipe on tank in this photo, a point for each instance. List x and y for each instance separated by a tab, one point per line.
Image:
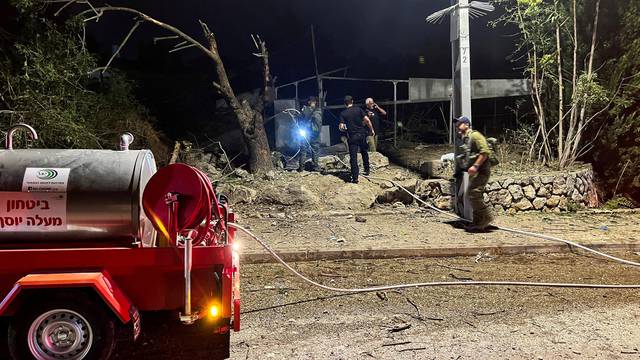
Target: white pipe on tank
13	129
125	140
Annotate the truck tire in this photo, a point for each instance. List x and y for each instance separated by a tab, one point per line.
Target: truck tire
70	327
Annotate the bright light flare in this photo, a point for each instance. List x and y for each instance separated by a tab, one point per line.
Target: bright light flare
213	311
302	133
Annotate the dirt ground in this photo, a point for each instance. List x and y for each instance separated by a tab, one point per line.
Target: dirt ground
416	228
284	318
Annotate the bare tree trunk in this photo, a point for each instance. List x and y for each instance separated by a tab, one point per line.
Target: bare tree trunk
250	120
250	123
581	123
574	84
560	94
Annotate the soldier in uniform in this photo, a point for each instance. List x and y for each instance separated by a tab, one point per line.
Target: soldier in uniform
476	154
310	126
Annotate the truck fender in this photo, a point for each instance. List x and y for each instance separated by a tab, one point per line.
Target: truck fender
101	282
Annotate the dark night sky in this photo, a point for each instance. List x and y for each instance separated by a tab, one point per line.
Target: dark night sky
377	38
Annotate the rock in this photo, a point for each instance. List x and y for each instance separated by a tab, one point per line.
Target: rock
507	182
400	177
563	205
485	196
498	209
529	192
376	160
269	175
360	219
536	182
447	188
493	186
239	194
525	181
241	173
545	190
444	203
539	203
580	185
395	194
352	197
571	183
577	197
291	195
559	185
547	179
493	197
398	205
504	199
516	192
423	190
553	201
386	185
330	162
278	160
523	205
436	169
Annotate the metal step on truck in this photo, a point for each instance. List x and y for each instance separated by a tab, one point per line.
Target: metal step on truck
93	240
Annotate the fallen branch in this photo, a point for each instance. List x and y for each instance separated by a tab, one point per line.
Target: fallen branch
175	153
398	328
487	314
460	278
414	305
398	343
452	268
412	349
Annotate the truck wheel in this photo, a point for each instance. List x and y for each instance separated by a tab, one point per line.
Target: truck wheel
70	328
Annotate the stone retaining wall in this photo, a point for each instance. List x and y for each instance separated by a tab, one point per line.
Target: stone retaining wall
553	192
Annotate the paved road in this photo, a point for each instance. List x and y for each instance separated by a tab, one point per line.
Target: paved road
285	319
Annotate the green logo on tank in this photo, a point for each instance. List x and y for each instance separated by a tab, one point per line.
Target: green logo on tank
47	174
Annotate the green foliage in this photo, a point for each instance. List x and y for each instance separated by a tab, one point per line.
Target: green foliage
617	156
49	80
618	202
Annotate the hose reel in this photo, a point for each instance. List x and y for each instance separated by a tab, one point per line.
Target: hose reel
180	202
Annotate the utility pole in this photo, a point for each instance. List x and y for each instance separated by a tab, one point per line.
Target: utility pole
315	61
459	12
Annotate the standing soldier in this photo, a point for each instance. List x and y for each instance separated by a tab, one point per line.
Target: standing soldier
355	122
374	112
476	153
309	128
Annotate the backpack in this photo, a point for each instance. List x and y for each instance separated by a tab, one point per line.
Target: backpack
493	146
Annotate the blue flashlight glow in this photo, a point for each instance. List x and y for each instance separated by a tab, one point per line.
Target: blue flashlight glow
302	133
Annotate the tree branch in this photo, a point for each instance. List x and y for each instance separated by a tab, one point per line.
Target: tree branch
126	38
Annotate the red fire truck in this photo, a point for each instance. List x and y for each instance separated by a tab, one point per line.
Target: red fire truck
90	240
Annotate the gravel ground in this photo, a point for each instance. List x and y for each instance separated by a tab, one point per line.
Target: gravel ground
286	319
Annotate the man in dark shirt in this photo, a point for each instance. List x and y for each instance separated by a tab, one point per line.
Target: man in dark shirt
358	126
374	112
